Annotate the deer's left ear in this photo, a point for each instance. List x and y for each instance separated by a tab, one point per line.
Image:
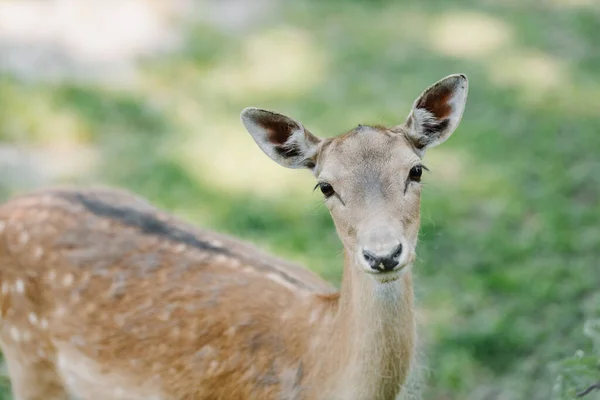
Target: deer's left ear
437	112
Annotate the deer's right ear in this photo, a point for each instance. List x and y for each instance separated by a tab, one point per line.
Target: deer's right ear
281	138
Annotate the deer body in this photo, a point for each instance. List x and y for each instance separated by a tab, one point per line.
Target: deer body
105	297
176	313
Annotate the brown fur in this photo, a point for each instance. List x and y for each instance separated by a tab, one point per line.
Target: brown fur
145	315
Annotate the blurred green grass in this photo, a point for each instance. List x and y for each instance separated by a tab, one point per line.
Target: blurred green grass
510	243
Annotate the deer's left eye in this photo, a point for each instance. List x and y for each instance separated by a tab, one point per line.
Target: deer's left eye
326	189
415	173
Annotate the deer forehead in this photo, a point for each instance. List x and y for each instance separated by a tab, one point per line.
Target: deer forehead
366	154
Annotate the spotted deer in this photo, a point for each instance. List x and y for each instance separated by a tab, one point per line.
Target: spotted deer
105	297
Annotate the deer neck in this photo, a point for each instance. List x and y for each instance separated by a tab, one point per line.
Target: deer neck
366	339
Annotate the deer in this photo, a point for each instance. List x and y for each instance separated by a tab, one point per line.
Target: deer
104	296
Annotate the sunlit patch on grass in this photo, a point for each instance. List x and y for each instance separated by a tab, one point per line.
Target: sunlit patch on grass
448	166
575	3
530	70
468	34
229	159
282	61
452	169
575	99
32	115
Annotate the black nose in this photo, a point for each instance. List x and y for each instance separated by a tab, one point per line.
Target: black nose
383	263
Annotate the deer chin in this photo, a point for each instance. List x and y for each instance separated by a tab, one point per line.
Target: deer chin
388	277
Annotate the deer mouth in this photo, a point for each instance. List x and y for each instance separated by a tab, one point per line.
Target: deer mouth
389	276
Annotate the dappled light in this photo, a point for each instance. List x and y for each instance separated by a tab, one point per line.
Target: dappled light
531	71
469	34
281	61
448	166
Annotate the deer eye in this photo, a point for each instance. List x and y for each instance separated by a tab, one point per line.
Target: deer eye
326	189
415	173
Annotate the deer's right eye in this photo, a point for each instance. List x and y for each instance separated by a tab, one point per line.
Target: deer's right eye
326	189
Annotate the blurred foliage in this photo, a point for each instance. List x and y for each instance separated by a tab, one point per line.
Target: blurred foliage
579	372
510	243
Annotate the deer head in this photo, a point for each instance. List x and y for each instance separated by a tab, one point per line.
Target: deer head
370	176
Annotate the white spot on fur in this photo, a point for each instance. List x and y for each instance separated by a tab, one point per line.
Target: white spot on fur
20	286
23	238
220	259
44	323
41	353
216	243
276	278
148	303
205	352
248	269
38	252
33	319
230	331
90	308
212	367
287	314
52	275
180	248
68	280
15	334
164	316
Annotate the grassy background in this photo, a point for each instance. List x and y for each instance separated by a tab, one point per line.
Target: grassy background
510	245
